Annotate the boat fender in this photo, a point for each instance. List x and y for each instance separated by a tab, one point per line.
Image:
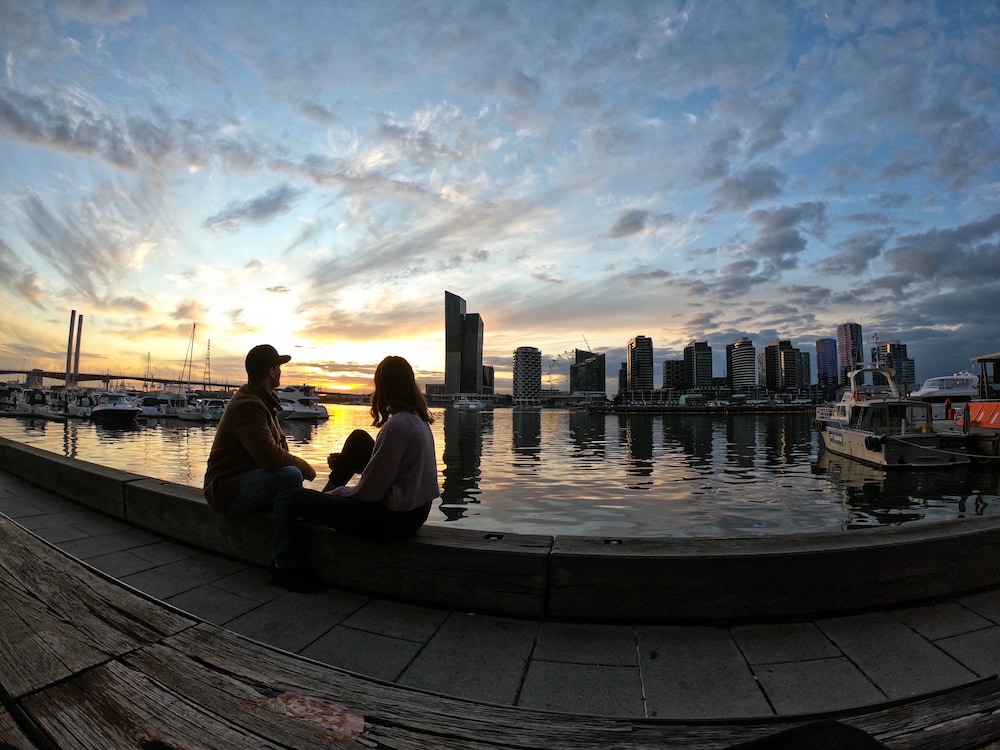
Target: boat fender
868	442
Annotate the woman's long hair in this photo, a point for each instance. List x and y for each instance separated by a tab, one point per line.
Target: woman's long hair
396	390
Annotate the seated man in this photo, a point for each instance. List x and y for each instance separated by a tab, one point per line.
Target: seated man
250	469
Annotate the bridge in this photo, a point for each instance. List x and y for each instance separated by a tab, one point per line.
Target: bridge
107	378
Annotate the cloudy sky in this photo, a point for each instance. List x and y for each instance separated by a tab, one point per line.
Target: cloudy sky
317	174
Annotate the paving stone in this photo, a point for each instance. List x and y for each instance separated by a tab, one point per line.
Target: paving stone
583	688
816	686
292	621
986	604
397	620
979	650
212	604
163	552
164	581
768	644
478	657
126	539
942	620
364	652
53	531
610	645
253	583
696	672
901	662
119	564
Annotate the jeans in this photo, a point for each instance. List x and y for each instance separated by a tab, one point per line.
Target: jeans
261	491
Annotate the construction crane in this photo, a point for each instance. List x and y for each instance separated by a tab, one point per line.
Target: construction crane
555	362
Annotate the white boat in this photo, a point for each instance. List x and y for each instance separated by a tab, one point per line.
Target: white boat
81	404
32	401
202	410
958	389
300	402
876	425
115	408
464	403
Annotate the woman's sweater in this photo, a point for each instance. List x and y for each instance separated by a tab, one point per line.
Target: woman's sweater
402	472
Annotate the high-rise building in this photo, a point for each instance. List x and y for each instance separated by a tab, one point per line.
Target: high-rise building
673	374
786	367
698	365
463	347
639	361
527	366
587	373
850	349
741	364
827	373
893	354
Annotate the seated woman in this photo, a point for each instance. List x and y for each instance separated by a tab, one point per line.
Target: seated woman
399	479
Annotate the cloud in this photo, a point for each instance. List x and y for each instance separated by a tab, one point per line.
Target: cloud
24	282
256	211
756	183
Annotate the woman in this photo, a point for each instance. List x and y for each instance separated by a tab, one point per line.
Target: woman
398	469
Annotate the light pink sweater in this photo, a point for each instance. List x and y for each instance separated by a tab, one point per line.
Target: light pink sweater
402	472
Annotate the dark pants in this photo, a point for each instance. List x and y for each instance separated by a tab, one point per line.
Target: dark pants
368	520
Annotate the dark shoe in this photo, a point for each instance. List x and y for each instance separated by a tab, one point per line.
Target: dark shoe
295	579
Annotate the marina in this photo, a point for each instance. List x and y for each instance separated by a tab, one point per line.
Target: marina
572	472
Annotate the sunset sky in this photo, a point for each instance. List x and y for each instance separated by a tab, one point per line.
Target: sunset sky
316	174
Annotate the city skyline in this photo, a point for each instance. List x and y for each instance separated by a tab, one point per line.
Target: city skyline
315	175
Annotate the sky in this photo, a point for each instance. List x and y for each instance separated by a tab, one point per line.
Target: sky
315	175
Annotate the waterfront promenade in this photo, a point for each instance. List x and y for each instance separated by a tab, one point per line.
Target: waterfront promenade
690	671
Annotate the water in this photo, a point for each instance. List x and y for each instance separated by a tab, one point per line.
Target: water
567	472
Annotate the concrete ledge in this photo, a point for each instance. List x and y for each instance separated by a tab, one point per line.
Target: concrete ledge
698	579
180	512
89	484
502	574
592	578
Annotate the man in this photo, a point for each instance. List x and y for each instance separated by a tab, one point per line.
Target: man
250	469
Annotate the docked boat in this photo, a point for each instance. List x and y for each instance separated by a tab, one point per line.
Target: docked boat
464	403
115	408
953	390
202	410
33	401
81	404
878	426
301	402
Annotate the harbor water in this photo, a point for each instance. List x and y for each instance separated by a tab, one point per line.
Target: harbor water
558	471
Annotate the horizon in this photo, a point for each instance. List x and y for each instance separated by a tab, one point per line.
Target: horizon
315	175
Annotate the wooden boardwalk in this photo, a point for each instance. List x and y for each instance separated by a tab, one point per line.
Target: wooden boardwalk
87	662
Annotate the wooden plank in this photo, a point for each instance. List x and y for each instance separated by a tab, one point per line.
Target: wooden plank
58	616
11	735
115	706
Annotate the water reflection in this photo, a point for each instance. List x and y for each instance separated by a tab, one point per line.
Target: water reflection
463	451
526	429
873	497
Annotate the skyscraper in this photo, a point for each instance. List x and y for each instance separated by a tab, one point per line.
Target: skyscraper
827	376
741	364
587	373
527	371
786	366
698	364
639	361
850	349
463	347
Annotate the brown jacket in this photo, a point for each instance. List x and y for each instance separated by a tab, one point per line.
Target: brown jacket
249	437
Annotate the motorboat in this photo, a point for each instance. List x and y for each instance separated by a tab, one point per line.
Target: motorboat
202	410
951	390
878	426
81	404
301	402
33	401
115	408
464	403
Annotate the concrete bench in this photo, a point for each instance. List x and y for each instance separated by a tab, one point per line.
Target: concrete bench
592	578
90	663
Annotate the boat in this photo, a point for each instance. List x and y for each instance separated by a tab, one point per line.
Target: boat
878	426
32	401
81	404
202	410
300	402
114	408
464	403
953	390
